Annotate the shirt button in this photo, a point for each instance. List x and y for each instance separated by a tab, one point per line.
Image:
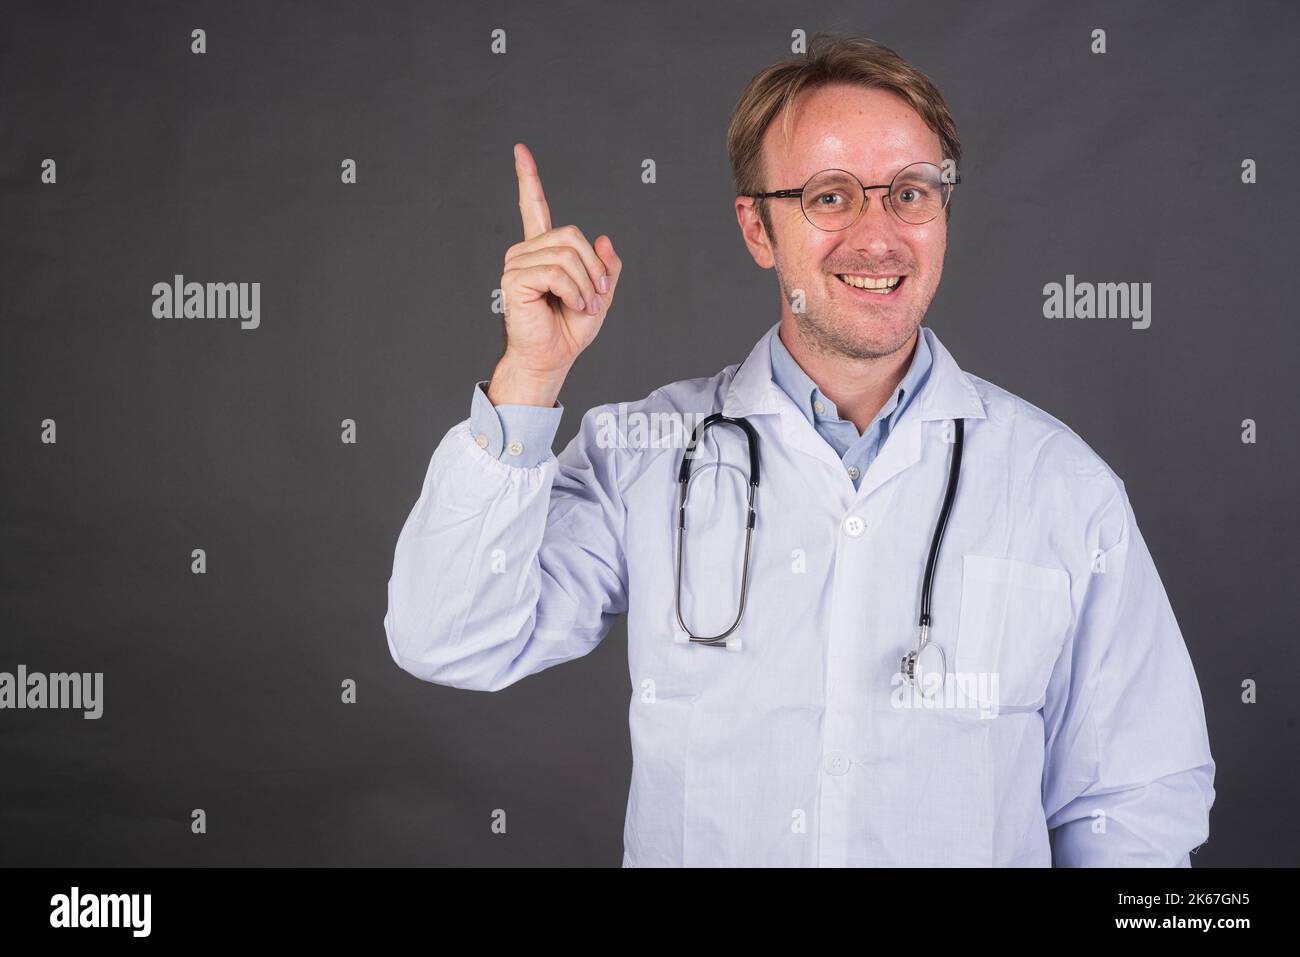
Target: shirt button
481	439
836	762
854	526
853	472
820	406
514	448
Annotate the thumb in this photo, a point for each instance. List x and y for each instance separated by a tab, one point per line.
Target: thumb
604	247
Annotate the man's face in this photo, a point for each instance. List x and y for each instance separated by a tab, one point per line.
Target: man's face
872	134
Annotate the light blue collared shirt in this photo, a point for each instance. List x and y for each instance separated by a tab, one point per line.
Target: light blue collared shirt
856	450
521	435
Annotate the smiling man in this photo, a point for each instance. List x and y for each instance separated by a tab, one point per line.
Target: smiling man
863	294
880	611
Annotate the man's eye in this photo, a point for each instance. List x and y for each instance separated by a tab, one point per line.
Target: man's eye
831	197
911	194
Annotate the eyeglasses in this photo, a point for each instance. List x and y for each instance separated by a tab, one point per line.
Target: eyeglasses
834	198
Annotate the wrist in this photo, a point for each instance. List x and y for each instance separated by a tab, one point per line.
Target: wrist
512	384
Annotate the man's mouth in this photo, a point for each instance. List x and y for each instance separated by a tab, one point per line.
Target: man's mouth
873	285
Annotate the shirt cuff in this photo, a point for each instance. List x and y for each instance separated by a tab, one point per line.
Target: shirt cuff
519	435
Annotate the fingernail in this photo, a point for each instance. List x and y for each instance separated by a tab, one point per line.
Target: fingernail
582	304
603	283
597	305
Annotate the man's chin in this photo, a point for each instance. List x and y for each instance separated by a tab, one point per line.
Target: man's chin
857	336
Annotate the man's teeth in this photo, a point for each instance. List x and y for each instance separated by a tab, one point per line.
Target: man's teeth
875	285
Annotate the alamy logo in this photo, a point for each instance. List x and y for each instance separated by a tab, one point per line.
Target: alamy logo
179	299
1103	300
36	690
646	430
102	910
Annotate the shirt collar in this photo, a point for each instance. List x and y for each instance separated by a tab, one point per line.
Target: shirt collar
799	386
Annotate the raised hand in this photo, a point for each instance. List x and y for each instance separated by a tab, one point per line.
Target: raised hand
558	288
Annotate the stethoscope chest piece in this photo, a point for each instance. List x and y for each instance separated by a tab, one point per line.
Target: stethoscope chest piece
925	667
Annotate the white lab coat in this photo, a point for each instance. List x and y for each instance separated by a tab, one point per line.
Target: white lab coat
794	750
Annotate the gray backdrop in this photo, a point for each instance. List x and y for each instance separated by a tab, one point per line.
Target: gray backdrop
222	690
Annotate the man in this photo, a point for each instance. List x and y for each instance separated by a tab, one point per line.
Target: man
1053	692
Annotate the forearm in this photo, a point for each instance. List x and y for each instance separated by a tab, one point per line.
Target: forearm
1151	825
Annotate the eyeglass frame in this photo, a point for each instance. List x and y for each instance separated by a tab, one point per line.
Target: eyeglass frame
889	188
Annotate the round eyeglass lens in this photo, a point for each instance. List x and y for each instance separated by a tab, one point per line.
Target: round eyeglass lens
918	193
832	199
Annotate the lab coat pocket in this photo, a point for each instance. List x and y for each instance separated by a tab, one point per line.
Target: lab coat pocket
1013	623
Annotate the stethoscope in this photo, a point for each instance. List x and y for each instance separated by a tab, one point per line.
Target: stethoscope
924	666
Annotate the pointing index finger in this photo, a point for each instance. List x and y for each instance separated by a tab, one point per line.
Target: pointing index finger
532	201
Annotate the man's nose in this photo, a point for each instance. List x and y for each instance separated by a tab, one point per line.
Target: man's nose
876	227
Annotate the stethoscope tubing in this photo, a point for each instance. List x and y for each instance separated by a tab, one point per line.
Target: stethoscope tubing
954	473
683	478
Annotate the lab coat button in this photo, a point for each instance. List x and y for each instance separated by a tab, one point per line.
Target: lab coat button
481	440
515	448
854	525
837	762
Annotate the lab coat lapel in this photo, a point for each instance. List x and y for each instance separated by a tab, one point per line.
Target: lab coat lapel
946	395
754	391
902	450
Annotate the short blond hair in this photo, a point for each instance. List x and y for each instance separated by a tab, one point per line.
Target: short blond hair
830	59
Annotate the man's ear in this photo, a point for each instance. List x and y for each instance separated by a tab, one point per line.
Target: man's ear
751	228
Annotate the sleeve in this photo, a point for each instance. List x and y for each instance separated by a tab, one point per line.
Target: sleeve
502	570
1128	779
519	434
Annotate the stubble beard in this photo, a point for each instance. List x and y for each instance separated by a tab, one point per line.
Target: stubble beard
825	328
